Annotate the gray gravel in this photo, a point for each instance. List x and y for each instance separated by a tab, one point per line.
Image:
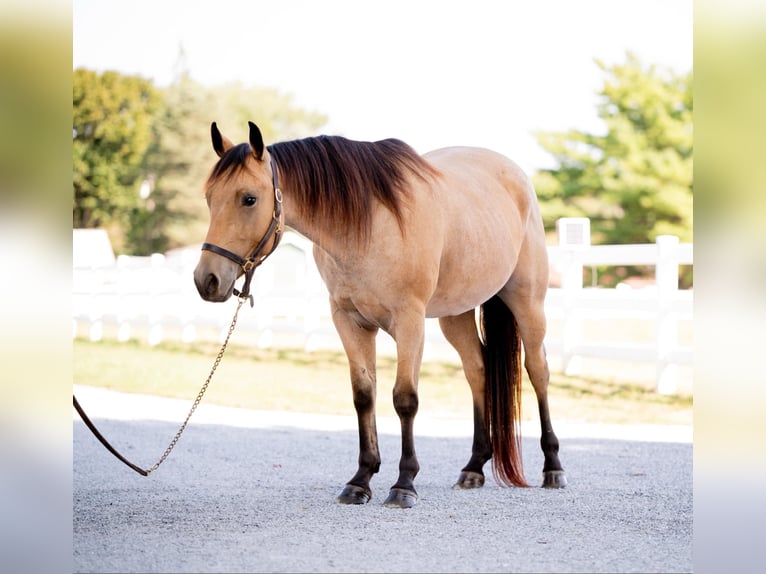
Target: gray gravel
237	499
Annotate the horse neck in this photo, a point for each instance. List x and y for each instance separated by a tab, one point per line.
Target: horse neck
324	238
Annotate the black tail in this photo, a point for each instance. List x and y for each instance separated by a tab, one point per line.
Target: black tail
502	396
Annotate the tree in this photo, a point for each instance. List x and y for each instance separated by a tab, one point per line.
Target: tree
635	181
112	118
173	169
142	154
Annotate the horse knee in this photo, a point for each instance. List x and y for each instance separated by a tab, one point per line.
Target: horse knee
362	387
405	403
364	398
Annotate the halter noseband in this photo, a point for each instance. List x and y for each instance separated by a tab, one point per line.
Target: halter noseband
255	259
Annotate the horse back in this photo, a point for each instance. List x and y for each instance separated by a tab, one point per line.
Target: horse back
482	178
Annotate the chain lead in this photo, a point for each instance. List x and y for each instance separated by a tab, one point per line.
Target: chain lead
201	393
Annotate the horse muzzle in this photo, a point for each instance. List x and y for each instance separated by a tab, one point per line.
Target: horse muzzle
215	284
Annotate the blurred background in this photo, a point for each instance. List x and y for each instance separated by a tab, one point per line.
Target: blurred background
593	99
595	103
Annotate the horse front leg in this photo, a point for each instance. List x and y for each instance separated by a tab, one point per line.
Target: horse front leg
359	344
409	336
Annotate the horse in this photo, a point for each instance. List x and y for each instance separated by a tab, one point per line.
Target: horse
399	237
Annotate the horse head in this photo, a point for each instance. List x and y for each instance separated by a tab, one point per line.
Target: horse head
245	207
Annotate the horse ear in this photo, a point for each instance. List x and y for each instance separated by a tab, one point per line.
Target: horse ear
221	144
256	141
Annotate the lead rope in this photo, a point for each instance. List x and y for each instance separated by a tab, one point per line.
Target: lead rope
194	406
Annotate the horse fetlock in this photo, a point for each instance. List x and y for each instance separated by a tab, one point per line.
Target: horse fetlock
369	463
477	462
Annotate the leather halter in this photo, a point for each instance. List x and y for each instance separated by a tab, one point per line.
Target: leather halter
256	258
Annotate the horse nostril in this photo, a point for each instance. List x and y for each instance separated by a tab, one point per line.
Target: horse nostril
211	284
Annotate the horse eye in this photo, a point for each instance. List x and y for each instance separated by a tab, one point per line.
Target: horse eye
248	200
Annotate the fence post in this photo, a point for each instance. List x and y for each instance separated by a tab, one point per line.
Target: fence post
573	235
122	294
96	314
188	293
666	277
156	312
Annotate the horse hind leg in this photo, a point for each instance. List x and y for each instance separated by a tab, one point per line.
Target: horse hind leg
461	332
530	319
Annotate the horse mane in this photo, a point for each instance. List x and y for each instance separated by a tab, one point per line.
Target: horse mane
333	180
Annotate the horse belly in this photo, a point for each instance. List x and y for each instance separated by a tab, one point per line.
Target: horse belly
484	201
464	287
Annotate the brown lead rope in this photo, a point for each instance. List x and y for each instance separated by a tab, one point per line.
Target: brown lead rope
197	401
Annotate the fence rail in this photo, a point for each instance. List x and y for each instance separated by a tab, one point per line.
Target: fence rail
154	298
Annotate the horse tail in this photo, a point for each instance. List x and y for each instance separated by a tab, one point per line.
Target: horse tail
501	346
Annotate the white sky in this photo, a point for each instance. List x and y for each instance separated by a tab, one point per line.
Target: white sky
433	73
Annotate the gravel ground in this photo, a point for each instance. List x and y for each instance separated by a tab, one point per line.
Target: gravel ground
249	491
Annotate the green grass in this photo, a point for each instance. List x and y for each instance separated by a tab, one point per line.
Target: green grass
293	380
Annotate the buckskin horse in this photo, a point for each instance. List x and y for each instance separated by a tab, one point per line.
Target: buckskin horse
398	237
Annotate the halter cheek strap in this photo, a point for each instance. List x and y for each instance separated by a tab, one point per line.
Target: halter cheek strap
250	263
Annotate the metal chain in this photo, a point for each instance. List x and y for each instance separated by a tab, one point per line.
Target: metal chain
202	390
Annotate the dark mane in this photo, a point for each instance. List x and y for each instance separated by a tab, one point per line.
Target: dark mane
333	179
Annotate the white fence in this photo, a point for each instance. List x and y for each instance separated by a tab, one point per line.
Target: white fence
662	304
154	298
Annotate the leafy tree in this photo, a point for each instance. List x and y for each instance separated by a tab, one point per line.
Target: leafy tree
142	154
173	170
112	117
635	181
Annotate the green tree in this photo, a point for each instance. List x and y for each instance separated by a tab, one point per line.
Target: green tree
112	118
142	154
635	181
173	169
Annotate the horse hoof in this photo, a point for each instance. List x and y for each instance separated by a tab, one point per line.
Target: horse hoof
469	479
400	498
554	479
352	494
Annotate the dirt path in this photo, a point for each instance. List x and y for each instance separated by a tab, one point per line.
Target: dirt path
247	492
